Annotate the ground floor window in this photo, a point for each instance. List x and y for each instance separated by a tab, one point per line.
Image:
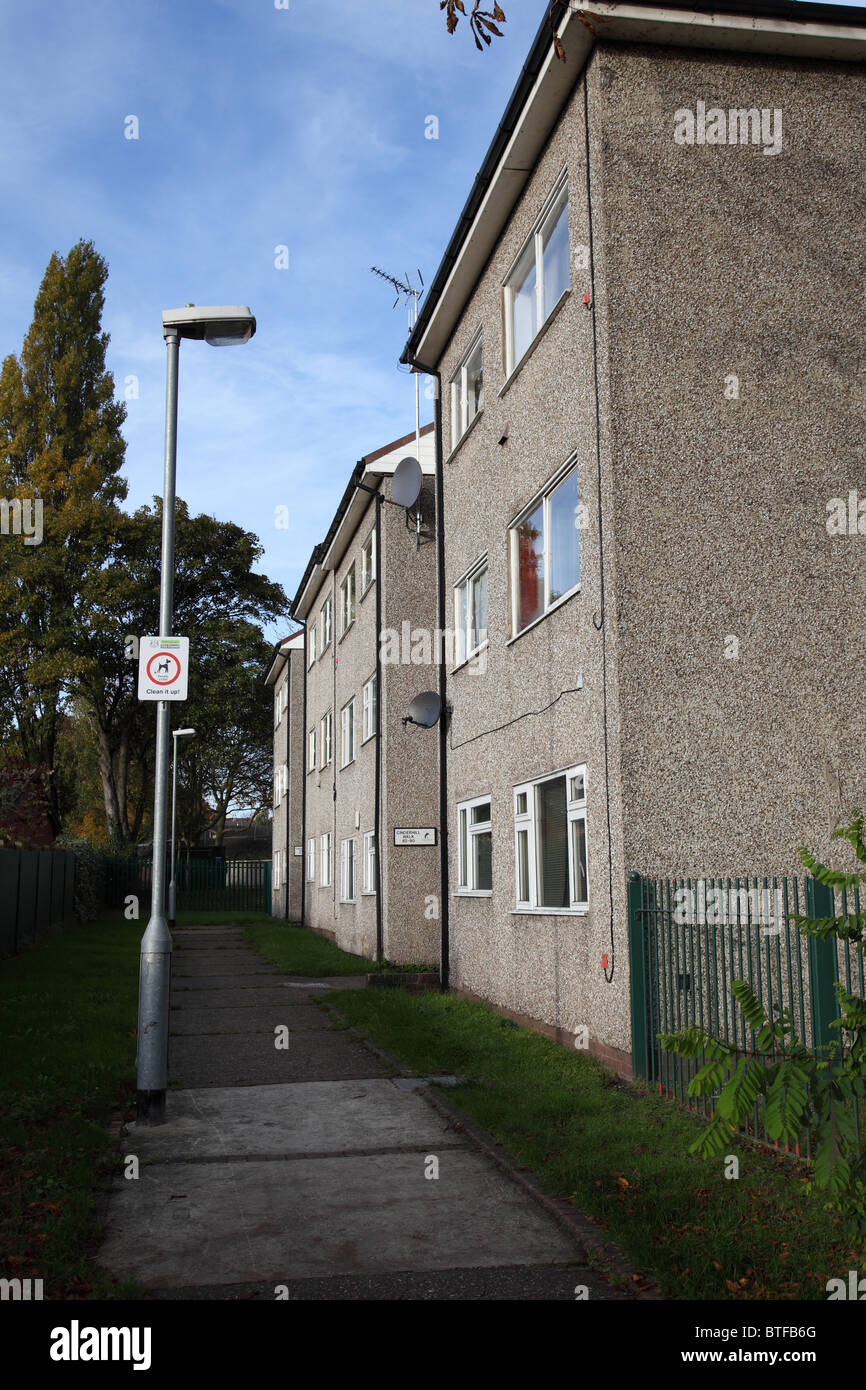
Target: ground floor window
311	860
474	846
370	862
550	857
347	870
325	855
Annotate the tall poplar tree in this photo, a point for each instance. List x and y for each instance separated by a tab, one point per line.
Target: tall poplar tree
61	446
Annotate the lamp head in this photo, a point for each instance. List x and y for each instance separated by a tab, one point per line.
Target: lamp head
221	325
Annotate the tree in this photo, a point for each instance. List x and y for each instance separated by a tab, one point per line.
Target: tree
482	23
229	763
61	450
217	597
802	1095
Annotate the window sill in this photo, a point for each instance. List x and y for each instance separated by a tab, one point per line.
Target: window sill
465	435
343	766
572	593
472	893
549	911
346	630
473	656
368	738
548	322
368	893
365	592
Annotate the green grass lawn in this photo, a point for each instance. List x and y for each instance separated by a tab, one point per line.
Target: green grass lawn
67	1038
299	951
619	1153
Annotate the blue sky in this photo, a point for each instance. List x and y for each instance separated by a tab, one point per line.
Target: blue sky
258	128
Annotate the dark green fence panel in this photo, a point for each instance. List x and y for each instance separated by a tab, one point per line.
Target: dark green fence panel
68	884
10	868
57	858
43	890
27	886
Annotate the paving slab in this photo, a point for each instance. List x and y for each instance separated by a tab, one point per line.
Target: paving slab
231	1222
254	1018
182	982
284	1120
245	1059
272	991
206	963
508	1283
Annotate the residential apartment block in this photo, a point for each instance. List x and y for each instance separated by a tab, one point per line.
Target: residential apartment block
369	775
286	679
648	330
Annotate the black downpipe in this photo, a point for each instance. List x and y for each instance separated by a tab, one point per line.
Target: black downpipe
303	784
444	939
289	861
377	816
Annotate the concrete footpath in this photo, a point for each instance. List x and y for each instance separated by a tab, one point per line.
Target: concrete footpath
302	1171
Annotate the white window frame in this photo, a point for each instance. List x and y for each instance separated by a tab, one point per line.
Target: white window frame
460	417
369	862
553	206
326	738
348	600
284	860
462	650
276	787
368	571
311	859
466	866
278	708
344	722
312	632
540	499
284	696
326	617
311	750
275	880
526	822
325	860
369	695
347	857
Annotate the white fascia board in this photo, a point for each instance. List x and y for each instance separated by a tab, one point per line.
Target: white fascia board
616	23
293	644
277	665
314	583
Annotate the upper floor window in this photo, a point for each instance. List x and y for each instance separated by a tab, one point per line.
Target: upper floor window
311	643
467	391
347	601
368	562
539	277
311	750
326	622
368	709
311	859
470	613
326	738
545	551
347	734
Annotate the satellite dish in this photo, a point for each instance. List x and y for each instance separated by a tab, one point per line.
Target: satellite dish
424	709
406	482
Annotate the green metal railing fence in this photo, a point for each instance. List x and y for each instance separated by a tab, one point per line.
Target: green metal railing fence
689	939
203	885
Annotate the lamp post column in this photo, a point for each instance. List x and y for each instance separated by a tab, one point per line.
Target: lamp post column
155	964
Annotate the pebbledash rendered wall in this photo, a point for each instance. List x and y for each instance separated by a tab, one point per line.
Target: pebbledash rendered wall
342	799
286	678
703	753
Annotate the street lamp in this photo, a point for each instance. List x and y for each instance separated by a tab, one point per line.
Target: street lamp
176	734
221	326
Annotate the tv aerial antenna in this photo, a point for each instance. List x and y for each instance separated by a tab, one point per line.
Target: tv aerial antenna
410	294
